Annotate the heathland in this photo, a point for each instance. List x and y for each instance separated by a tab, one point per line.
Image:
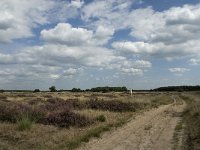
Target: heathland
71	120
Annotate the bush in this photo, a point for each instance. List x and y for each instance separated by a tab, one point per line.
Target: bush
35	101
55	112
113	105
7	113
55	104
36	90
66	119
3	98
15	111
101	118
75	104
24	123
47	96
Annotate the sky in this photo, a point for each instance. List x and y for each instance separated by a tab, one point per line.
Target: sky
140	44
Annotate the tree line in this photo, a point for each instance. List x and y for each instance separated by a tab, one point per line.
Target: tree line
178	88
112	89
96	89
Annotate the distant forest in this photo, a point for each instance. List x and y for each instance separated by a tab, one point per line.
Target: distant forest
96	89
178	88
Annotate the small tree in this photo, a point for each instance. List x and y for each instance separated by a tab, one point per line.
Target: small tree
52	89
36	90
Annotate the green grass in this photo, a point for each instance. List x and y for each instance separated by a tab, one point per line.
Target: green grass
96	132
24	123
101	118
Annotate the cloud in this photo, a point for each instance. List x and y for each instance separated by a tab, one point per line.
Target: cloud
158	50
194	61
77	3
67	49
64	33
5	59
103	34
36	72
179	70
106	13
142	64
19	17
62	61
132	71
170	34
56	54
135	47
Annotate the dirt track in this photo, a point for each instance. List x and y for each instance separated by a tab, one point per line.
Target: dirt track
152	130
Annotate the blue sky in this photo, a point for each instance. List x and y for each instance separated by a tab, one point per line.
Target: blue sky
141	44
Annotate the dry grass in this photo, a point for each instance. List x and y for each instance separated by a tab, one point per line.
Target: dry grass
191	121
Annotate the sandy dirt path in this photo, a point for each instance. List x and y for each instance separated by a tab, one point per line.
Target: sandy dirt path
151	130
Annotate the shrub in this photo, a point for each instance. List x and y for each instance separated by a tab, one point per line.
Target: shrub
36	90
47	96
54	104
35	101
75	104
7	113
55	100
66	119
15	111
54	112
3	98
101	118
113	105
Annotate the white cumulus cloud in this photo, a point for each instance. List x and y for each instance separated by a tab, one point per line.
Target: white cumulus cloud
178	70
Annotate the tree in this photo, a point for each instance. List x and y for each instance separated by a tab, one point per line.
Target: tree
76	90
36	90
2	90
52	89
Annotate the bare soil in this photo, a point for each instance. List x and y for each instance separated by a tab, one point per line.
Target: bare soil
151	130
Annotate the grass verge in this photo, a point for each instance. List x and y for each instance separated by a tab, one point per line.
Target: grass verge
191	120
95	132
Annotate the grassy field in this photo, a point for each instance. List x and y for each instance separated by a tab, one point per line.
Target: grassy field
191	121
65	120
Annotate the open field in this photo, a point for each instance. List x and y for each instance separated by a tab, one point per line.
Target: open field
70	120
